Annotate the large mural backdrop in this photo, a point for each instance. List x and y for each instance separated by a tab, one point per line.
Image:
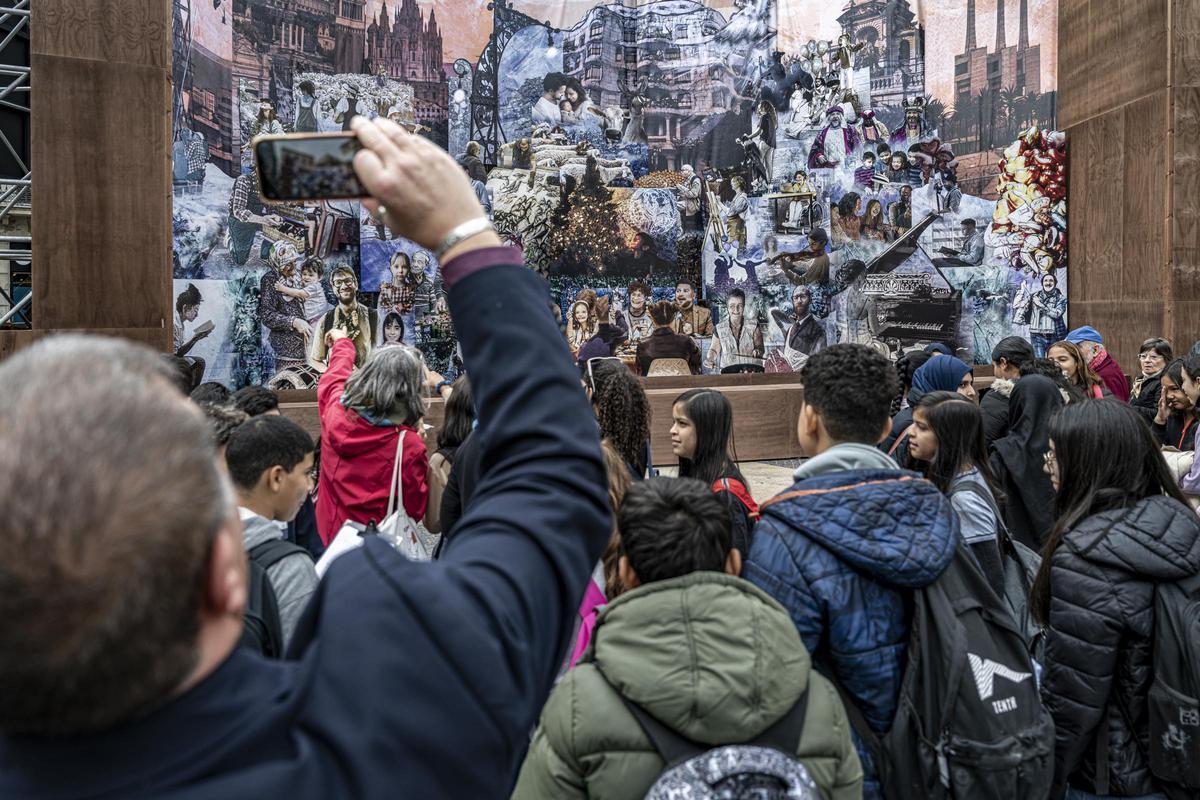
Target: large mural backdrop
788	176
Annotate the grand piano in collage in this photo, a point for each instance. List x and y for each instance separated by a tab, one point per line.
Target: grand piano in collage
911	308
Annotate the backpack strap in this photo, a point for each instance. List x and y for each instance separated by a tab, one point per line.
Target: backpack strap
899	440
268	554
971	487
1101	777
858	722
738	489
673	748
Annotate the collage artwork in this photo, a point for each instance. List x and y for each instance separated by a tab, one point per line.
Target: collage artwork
788	174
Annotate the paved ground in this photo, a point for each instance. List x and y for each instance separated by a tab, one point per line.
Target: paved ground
767	478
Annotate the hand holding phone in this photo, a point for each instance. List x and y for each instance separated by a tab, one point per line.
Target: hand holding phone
306	167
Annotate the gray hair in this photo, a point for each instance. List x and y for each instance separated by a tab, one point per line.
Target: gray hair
112	497
389	384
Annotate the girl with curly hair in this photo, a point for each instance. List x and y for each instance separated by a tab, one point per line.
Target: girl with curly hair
622	410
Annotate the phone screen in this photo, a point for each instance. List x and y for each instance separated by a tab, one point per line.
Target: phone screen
308	166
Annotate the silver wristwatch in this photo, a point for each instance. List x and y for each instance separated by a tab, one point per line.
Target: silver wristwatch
472	227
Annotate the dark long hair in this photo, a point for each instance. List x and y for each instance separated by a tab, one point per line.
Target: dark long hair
460	415
715	456
1107	459
958	425
622	410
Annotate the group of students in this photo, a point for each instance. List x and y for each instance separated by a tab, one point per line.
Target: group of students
992	620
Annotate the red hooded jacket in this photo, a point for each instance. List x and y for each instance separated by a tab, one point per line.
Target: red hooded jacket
1113	376
357	457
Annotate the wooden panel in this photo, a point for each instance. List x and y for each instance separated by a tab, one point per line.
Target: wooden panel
101	201
1183	326
12	341
1096	176
1185	201
1185	41
1074	77
1110	55
764	420
1144	194
1079	209
132	31
1125	324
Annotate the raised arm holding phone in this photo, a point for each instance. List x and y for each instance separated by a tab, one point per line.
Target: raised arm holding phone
407	680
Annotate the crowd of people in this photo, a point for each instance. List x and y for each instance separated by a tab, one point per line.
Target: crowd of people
972	590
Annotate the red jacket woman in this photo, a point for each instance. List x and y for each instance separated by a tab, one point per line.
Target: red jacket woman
361	417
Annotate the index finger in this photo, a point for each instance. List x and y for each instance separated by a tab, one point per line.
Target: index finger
375	139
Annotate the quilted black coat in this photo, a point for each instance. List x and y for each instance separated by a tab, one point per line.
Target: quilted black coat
1098	663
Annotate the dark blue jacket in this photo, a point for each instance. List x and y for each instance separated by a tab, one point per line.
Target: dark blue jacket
837	550
410	680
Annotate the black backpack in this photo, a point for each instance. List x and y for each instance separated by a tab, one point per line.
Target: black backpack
262	630
969	721
1174	700
1020	567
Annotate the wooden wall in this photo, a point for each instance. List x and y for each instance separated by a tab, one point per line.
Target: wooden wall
101	141
765	412
1129	100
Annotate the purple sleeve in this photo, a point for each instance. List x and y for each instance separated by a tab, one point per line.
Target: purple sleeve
1190	483
471	262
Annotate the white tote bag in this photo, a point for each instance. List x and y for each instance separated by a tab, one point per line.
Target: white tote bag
397	529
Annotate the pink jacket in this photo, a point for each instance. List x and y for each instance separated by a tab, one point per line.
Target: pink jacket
593	600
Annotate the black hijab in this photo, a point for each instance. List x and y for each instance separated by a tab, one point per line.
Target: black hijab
1019	458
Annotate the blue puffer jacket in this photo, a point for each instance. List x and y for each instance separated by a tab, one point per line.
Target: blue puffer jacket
837	551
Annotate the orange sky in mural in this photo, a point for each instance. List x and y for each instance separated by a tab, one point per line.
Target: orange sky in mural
465	24
946	33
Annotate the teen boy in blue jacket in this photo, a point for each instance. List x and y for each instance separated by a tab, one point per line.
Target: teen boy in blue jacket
409	680
839	548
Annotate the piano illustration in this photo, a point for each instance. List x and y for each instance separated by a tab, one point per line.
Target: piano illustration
907	308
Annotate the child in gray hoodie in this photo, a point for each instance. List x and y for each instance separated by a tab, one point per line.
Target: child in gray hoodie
270	459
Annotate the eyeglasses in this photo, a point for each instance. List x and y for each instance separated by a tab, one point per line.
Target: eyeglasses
1150	355
590	361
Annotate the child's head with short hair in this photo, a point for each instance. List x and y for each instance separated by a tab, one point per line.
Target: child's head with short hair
868	158
312	271
269	460
848	391
671	527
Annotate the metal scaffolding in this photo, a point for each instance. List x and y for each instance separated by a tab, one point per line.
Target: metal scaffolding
14	187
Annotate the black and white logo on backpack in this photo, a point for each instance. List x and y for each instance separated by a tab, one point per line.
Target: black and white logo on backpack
986	671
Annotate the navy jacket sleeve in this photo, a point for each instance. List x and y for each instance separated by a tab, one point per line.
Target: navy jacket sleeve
426	679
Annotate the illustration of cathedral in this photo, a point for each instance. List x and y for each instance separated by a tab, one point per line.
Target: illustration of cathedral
409	49
895	48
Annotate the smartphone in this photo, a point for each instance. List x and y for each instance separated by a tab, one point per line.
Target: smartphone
301	167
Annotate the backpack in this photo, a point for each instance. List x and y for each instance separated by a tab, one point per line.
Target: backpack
738	489
969	721
262	630
1174	700
1020	564
764	768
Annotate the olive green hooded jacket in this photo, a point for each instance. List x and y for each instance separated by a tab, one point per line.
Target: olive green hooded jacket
710	656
